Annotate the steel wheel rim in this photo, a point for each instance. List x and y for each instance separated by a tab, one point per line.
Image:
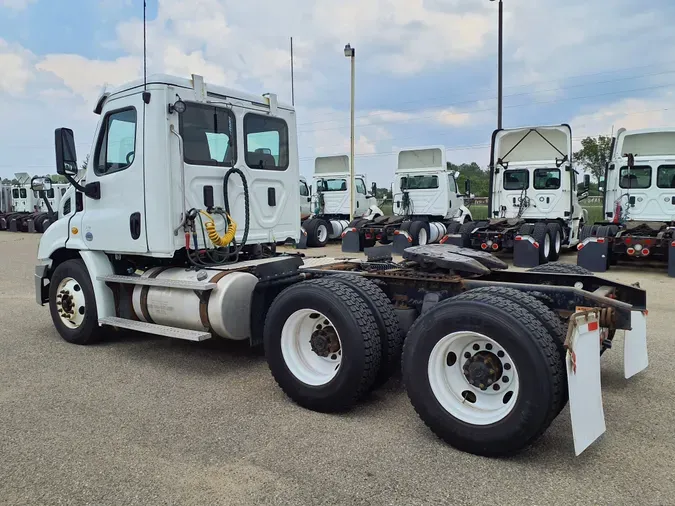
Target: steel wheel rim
547	245
453	390
558	241
322	232
297	349
422	237
70	303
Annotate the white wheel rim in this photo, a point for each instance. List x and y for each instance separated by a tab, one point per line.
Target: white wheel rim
547	245
453	389
558	241
307	365
70	303
422	237
322	232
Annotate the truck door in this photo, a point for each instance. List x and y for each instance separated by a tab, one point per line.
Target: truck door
361	203
453	200
116	221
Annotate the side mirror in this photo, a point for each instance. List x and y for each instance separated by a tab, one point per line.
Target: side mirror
601	184
467	187
66	157
587	181
373	189
456	175
40	184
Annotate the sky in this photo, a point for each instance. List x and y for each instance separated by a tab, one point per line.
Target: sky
426	70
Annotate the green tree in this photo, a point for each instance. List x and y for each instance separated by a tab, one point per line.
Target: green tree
10	181
594	155
480	178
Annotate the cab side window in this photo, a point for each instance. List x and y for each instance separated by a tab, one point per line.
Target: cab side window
116	146
360	186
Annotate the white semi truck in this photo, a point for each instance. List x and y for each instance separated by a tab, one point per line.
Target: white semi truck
533	193
426	204
638	203
331	201
189	184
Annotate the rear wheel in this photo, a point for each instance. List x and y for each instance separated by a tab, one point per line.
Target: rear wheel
483	374
317	232
585	232
453	227
419	232
322	344
542	235
556	241
465	233
72	303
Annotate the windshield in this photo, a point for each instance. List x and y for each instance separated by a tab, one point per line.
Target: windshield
422	182
516	179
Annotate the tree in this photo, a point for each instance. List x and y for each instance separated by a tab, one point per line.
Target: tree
10	181
480	178
594	155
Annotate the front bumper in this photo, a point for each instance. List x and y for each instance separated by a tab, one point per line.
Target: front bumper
41	289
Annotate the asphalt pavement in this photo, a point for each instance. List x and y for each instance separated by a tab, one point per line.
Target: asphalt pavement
148	421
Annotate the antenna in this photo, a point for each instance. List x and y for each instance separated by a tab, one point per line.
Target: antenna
292	80
145	50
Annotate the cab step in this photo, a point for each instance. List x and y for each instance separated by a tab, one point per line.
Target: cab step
164	283
152	328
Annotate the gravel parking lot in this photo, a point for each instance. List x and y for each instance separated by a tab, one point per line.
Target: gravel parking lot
145	420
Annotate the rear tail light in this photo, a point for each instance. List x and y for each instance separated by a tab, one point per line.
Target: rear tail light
601	240
483	246
638	247
631	251
648	242
495	246
580	246
535	244
628	240
444	239
645	252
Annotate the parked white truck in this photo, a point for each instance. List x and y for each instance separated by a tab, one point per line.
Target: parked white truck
331	200
186	187
638	203
533	193
426	204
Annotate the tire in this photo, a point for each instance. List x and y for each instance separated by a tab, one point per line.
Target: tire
419	232
391	336
465	232
537	376
453	227
562	268
603	231
358	360
369	243
317	232
585	232
612	230
385	239
542	235
553	324
556	241
357	222
80	293
526	229
594	230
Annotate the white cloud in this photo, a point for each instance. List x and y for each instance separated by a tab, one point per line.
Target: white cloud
15	4
16	72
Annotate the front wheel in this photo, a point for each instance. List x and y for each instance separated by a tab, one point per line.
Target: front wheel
72	303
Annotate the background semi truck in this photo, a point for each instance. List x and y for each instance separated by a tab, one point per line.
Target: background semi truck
638	203
533	193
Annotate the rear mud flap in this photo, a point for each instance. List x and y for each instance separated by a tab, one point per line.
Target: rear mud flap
302	243
593	254
635	357
401	242
351	241
671	259
525	251
583	379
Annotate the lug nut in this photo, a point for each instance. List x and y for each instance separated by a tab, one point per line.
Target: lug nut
467	355
507	366
495	387
500	354
505	379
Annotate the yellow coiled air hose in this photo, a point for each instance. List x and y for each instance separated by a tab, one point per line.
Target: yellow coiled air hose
213	234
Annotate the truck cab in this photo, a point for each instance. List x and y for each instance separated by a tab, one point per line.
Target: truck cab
534	194
305	199
424	186
331	200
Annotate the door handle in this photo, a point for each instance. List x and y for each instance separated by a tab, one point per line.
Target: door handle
135	225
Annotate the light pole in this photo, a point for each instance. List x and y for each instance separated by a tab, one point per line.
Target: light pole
499	70
350	52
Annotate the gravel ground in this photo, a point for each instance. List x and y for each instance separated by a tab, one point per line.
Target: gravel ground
145	420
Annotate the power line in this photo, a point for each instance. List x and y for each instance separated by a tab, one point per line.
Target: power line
512	106
535	83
